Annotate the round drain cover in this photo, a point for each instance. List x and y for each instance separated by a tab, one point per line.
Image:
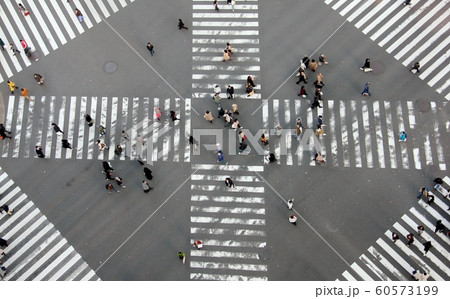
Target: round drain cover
110	67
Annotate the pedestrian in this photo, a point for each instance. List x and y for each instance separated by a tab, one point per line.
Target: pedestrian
420	276
66	144
5	208
322	59
125	136
181	254
243	148
229	183
420	229
158	114
301	76
423	192
57	129
298	131
208	116
79	15
293	219
299	122
181	25
146	187
402	136
366	67
39	79
119	182
438	181
415	68
12	86
427	246
173	115
236	125
320	121
270	158
407	2
290	203
23	10
198	244
320	131
3	243
263	139
230	92
439	227
89	120
229	49
319	81
217	89
366	91
13	49
242	136
315	103
2	44
318	158
108	176
226	56
25	94
140	139
302	92
216	7
110	187
318	93
278	130
193	142
3	132
101	145
251	81
218	148
39	151
228	119
119	151
410	238
313	65
107	167
430	199
395	237
249	90
150	48
221	112
148	173
216	98
220	158
101	130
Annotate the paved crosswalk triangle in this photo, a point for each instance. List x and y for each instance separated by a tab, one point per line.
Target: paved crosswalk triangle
223	219
387	260
409	33
50	25
30	124
36	249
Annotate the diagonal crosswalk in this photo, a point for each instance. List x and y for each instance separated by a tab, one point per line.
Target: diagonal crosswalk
50	25
30	124
360	133
229	221
211	32
36	249
388	261
413	33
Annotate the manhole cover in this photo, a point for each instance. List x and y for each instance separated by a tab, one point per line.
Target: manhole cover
110	67
423	105
265	254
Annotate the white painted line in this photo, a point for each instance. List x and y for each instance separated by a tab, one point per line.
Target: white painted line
260	211
379	134
221	41
372	12
424	221
92	130
219	58
112	128
225	277
228	220
361	272
238	188
25	223
417	163
344	135
18	22
388	24
93	11
233	199
86	19
360	10
390	133
8	123
228	266
348	276
349	7
436	62
338	4
113	6
53	265
9	195
103	8
103	119
412	117
382	260
443	86
442	74
83	128
29	128
333	145
377	271
167	143
423	19
439	202
299	151
123	3
18	130
225	24
224	231
62	17
223	7
6	185
89	276
187	129
236	179
224	254
60	122
176	133
207	49
3	61
437	138
155	131
65	268
229	32
355	130
43	26
232	243
395	256
401	127
225	67
432	212
224	15
427	148
14	40
69	135
288	138
227	167
55	25
73	274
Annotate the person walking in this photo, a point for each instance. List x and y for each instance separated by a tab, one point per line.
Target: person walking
218	148
228	119
233	3
101	130
315	103
320	121
313	65
110	187
25	94
395	237
251	81
216	5
220	158
423	192
226	56
13	49
229	183
410	238
148	173
3	132
420	229
108	176
301	76
12	86
229	48
5	208
39	79
101	145
290	203
39	151
302	92
119	151
249	90
119	182
242	136
125	136
23	10
322	59
320	131
89	120
263	139
208	116
217	89
173	115
298	131
230	92
236	125
146	187
158	114
415	68
366	66
79	15
366	91
243	148
181	25
430	198
293	219
319	82
107	167
305	61
65	144
57	129
221	112
439	227
402	136
150	48
2	45
3	243
426	247
181	255
216	98
407	2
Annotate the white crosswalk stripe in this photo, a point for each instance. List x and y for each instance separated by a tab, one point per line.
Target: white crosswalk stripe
395	260
359	134
223	219
240	28
49	25
35	247
30	123
409	33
